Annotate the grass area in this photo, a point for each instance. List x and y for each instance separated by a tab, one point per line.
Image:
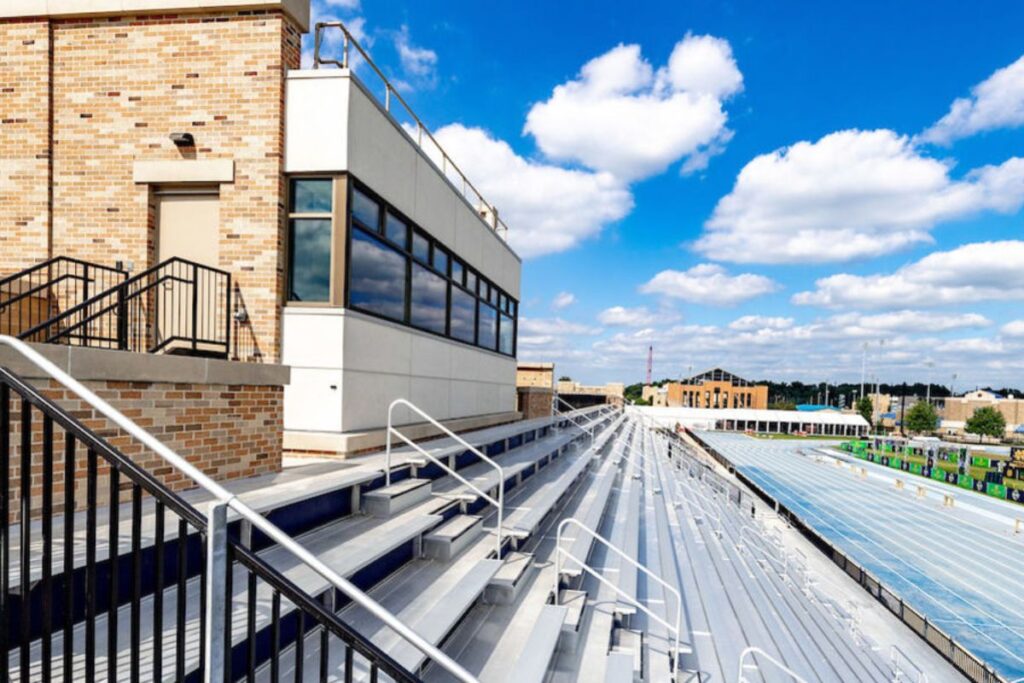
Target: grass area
797	437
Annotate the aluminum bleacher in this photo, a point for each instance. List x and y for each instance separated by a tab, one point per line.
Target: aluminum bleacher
621	554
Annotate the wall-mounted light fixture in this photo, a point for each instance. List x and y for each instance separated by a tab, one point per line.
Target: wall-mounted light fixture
183	139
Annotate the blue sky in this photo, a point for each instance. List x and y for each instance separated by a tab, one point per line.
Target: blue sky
778	188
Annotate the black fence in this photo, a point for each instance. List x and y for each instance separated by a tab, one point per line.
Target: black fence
961	658
72	570
32	296
177	306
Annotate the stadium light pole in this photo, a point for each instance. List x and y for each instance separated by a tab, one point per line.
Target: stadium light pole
863	366
928	392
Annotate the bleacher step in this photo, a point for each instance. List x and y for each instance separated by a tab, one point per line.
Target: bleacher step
452	537
533	662
575	602
390	500
619	668
505	586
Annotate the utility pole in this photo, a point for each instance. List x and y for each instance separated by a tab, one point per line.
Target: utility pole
650	363
863	366
928	392
903	409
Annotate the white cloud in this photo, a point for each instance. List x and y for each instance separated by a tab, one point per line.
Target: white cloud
709	284
623	117
419	64
758	322
620	316
852	194
1014	328
563	300
548	208
552	327
910	321
979	271
996	102
342	4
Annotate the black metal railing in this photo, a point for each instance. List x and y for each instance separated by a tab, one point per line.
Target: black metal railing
177	306
90	541
34	295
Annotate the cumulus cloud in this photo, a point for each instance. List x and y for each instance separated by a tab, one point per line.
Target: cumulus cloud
1014	328
758	322
419	64
622	116
554	326
640	316
979	271
852	194
709	284
342	4
548	208
910	321
563	300
996	102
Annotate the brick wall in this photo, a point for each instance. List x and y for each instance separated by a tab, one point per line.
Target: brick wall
24	143
535	402
120	87
228	432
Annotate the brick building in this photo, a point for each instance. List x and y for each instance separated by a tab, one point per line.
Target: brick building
713	389
171	182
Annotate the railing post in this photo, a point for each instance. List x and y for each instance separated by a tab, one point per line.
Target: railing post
229	316
217	638
122	318
195	306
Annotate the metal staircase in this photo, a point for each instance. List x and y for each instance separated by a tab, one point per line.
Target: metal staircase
69	610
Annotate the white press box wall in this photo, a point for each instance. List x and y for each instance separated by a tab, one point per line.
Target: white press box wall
347	367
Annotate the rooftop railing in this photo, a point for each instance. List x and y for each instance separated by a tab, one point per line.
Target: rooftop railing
421	134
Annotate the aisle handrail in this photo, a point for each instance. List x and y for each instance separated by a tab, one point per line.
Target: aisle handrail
753	650
244	511
559	551
499	503
570	417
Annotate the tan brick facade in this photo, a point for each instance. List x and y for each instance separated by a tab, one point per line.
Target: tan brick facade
120	87
24	143
228	432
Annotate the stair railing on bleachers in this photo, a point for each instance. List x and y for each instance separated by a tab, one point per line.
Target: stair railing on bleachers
498	503
216	645
750	652
560	551
570	416
904	669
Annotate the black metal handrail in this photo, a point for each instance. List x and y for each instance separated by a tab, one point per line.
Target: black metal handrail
51	597
31	296
177	306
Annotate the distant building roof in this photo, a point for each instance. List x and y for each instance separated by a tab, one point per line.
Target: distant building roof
718	375
812	407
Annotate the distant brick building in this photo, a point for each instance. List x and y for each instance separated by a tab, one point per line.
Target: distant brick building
713	389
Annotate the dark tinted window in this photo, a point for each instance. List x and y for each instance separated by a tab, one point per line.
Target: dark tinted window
365	210
429	299
310	259
311	195
397	231
376	277
487	328
440	260
421	247
508	335
463	315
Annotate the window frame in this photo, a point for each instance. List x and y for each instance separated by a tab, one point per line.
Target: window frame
479	281
290	217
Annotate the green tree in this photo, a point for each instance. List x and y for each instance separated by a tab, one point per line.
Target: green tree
565	378
921	418
865	409
986	421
